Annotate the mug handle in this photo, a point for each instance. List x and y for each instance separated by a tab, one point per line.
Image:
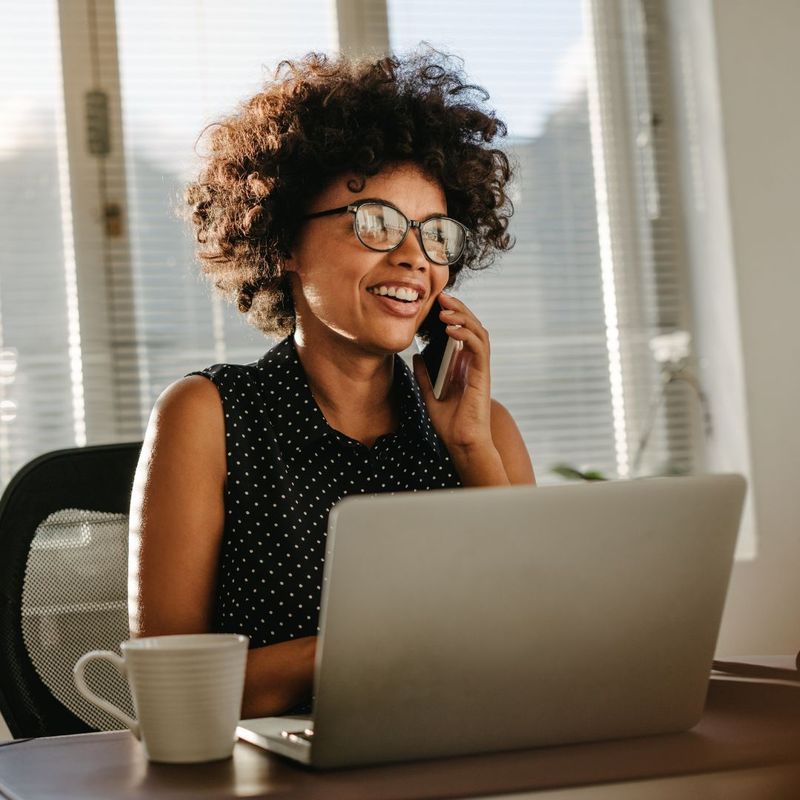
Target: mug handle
80	683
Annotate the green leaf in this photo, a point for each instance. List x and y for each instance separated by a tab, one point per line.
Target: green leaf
573	474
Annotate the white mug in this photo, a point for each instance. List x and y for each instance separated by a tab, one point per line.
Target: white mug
187	691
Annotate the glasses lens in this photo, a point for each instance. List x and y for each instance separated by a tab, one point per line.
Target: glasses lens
443	240
380	227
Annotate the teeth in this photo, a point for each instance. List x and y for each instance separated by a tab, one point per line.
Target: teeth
409	295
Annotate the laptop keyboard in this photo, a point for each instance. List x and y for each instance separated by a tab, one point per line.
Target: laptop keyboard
306	735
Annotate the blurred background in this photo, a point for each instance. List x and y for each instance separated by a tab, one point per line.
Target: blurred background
643	324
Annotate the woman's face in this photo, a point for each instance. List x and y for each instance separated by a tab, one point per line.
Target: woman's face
331	271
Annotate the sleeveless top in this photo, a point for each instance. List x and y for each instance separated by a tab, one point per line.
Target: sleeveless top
286	468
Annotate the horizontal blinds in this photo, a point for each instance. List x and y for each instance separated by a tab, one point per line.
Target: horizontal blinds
636	123
169	69
677	428
182	66
543	301
36	384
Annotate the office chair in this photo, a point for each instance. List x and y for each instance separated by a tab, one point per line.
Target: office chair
63	586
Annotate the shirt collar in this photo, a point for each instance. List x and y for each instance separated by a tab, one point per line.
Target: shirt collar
299	421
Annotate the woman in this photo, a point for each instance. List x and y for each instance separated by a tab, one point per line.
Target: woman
336	185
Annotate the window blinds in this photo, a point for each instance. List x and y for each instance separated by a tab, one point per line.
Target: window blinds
184	65
102	302
572	364
36	381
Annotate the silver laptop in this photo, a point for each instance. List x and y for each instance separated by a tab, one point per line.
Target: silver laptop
460	621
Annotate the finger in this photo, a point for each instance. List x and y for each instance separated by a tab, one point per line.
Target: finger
452	304
465	319
453	317
455	384
448	301
462	367
478	346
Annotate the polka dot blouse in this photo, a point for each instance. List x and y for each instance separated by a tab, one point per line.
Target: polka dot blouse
286	468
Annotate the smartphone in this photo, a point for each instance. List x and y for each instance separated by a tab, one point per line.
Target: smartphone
439	351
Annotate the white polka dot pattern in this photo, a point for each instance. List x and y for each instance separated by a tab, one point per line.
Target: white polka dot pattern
286	469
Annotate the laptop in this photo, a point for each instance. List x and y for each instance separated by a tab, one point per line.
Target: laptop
472	620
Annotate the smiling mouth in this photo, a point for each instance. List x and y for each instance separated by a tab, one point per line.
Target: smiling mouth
402	295
399	307
397	299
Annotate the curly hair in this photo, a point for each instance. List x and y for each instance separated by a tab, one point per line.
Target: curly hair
320	118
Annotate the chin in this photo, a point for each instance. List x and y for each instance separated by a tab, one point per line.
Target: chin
394	344
400	347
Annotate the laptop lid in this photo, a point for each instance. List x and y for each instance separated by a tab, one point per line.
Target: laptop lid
473	620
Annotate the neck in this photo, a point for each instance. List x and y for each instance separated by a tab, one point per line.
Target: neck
347	383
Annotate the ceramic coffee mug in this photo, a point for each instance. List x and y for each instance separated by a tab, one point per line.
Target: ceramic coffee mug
186	689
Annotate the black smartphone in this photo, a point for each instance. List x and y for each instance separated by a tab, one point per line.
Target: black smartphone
438	350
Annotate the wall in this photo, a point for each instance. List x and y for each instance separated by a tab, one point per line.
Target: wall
735	64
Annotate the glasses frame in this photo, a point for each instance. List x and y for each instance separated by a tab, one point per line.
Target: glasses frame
353	209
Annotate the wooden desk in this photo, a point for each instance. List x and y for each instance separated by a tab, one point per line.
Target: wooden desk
749	738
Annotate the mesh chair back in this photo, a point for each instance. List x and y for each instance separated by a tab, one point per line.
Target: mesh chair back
63	586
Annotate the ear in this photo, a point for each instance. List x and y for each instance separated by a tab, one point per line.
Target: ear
289	264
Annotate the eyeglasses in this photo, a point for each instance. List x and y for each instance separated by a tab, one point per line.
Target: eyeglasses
384	228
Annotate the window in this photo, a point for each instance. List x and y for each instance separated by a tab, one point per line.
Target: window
183	65
595	273
38	357
103	305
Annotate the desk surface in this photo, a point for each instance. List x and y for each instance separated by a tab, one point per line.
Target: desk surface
749	737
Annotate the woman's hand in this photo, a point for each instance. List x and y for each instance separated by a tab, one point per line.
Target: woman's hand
462	417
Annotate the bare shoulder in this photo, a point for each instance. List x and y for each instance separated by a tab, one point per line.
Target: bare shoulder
511	446
192	401
194	393
188	423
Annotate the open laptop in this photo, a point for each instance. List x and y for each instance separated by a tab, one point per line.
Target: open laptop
458	621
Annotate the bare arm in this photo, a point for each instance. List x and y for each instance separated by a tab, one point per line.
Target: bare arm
511	446
504	463
177	518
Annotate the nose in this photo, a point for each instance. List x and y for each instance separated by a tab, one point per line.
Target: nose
410	252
